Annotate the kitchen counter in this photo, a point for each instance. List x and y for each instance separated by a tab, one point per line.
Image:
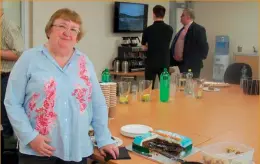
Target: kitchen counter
133	74
139	73
128	74
246	53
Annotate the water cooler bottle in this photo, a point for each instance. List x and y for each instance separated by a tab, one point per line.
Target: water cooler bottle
221	58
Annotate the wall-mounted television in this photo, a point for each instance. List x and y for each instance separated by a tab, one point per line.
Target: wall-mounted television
130	17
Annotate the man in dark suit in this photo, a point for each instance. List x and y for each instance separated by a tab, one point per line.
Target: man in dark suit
156	41
190	45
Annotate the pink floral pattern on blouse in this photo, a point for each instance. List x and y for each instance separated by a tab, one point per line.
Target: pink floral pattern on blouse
83	95
32	103
80	94
46	115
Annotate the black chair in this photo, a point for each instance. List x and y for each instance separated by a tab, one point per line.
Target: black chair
9	150
233	73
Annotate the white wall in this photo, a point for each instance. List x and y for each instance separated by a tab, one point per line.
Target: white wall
238	20
99	43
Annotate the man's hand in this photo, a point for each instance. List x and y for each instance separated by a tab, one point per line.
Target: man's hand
8	55
111	149
177	58
40	145
144	47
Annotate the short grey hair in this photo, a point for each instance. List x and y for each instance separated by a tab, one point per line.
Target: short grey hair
190	12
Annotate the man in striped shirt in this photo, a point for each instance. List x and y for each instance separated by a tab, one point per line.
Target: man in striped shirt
12	46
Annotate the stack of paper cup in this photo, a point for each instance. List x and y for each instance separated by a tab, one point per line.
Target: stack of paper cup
113	100
109	90
105	87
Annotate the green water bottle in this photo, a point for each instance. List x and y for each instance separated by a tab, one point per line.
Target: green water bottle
164	86
106	77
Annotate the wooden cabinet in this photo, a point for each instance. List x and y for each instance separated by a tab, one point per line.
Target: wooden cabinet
251	59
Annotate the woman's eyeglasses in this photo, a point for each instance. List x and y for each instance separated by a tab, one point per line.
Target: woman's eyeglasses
74	31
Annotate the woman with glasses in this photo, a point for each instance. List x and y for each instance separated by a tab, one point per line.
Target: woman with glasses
53	96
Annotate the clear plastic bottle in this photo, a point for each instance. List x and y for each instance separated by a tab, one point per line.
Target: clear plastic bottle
243	75
188	90
222	45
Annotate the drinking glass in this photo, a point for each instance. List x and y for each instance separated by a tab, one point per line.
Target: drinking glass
251	86
145	90
174	84
197	87
124	91
181	81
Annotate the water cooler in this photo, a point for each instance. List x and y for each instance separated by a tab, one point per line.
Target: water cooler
221	58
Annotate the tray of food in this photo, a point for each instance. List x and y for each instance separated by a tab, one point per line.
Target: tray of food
215	84
163	146
227	153
211	89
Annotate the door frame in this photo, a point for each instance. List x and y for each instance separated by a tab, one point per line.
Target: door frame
25	23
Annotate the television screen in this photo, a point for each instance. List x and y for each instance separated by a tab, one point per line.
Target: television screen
130	17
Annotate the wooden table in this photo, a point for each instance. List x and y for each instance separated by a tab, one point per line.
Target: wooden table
228	115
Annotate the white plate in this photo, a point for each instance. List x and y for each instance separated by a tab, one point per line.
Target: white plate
133	130
119	142
129	134
207	89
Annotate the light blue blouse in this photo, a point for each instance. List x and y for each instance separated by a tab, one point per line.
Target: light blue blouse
60	103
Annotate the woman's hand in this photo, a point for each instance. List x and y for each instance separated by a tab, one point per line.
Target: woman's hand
40	145
111	149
